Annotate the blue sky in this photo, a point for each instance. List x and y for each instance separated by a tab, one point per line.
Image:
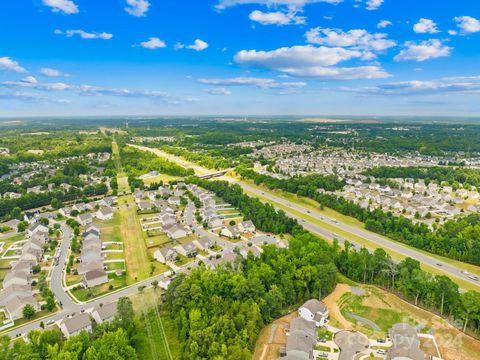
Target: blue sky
265	57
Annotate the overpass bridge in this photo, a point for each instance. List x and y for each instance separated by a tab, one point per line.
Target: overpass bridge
214	174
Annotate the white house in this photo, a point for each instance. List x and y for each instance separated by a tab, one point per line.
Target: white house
314	310
104	213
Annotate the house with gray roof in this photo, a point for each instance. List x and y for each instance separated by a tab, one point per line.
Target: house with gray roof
405	343
74	325
14	307
314	310
104	313
165	254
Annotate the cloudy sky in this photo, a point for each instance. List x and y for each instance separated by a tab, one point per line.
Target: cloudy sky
175	57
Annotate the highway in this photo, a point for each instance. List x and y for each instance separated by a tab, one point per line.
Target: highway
448	269
367	235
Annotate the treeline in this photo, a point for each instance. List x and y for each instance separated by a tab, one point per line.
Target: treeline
451	175
109	340
457	239
209	161
136	162
33	200
219	313
301	185
264	216
438	293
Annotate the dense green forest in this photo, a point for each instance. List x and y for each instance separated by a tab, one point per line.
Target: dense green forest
457	239
451	175
296	184
136	162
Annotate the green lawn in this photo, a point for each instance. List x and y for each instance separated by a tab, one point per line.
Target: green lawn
385	318
157	240
116	282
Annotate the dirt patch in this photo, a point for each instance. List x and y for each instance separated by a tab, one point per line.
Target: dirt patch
332	300
272	338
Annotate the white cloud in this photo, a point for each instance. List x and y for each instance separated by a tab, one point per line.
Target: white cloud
374	4
468	24
262	83
424	50
31	97
84	35
29	80
276	18
452	32
382	24
293	4
137	8
8	64
31	83
64	6
51	72
153	43
198	45
462	85
310	61
425	26
357	39
218	91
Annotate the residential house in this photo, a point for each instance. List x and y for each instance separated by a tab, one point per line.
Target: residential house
104	213
12	291
175	231
174	200
85	219
14	307
145	205
105	313
204	243
247	227
187	249
314	310
95	277
165	255
405	343
74	325
36	227
231	232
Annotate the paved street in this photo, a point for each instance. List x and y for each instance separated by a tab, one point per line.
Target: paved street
380	241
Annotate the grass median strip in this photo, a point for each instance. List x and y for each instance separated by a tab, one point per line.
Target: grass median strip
361	241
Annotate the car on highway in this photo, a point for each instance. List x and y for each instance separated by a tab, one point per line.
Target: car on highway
50	322
309	212
335	221
381	352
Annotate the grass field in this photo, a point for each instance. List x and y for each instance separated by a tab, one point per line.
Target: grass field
157	333
122	178
138	260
